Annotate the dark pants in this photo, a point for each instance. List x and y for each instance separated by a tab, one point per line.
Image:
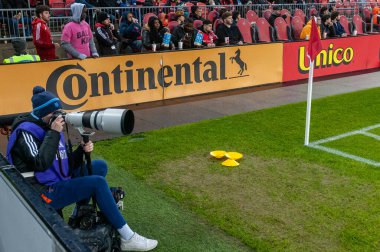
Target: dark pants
78	188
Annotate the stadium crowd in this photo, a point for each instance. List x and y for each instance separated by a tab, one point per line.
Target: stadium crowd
193	26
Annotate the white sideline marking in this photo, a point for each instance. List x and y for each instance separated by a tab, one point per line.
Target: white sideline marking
363	131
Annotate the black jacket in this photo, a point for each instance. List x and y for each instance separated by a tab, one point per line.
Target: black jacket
26	161
107	39
233	33
187	37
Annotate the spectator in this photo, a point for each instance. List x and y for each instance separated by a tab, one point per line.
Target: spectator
180	17
306	30
186	33
227	30
328	27
323	11
18	18
130	32
20	55
339	29
41	34
196	14
153	33
77	39
164	19
376	18
209	38
235	17
37	145
275	14
106	35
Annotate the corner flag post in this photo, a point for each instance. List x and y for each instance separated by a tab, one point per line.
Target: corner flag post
315	46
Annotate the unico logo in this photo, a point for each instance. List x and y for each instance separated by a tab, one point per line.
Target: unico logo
326	58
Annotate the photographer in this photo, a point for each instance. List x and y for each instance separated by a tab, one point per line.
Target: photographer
37	145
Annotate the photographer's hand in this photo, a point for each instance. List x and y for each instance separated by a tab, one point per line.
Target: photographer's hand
58	124
88	147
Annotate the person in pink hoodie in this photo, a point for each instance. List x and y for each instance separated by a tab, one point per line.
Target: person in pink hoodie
77	39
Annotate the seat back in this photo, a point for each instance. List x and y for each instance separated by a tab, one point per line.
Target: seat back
301	14
198	24
251	16
266	14
172	16
284	12
245	29
188	5
344	22
147	16
263	30
212	16
217	22
358	23
172	25
203	8
281	29
297	26
57	4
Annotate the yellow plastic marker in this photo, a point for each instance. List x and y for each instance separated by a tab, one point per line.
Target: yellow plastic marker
234	155
230	162
218	153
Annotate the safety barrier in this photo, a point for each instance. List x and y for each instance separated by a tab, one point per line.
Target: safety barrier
146	77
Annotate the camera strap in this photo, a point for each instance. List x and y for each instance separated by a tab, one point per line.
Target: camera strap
69	150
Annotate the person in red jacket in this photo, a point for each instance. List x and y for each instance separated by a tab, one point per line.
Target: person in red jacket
41	34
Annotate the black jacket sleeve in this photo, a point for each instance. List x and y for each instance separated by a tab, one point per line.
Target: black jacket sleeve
39	156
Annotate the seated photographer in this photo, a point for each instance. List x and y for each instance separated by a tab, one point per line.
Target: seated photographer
37	144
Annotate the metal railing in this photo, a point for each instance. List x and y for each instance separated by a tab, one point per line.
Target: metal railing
18	22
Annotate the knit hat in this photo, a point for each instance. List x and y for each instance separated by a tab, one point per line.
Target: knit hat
102	16
44	102
19	45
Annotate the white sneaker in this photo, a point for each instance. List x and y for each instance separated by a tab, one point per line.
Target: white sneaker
138	243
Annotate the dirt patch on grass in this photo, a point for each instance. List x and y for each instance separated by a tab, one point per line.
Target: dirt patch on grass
287	204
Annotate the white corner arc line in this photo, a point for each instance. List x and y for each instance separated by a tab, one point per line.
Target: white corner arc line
363	131
344	154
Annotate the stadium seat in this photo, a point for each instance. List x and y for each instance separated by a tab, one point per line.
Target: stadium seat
282	30
297	26
203	8
246	29
266	14
217	22
147	16
172	25
359	25
188	5
264	31
212	16
198	24
172	16
284	12
301	14
344	22
57	4
251	16
69	1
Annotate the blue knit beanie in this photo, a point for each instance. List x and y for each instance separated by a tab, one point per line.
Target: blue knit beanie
44	102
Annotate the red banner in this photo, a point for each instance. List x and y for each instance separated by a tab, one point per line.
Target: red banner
338	56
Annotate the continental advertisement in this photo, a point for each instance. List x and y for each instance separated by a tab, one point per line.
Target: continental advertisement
132	79
338	56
